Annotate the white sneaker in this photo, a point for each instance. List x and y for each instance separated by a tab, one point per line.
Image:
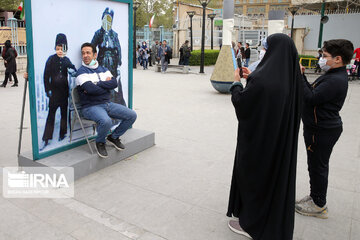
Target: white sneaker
309	208
234	226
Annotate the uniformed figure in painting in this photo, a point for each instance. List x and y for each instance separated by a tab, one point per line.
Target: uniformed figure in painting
57	88
109	55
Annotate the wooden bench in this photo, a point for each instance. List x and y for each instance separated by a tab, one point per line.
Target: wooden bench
185	69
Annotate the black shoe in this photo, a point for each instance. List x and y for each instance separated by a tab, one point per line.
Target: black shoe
15	85
61	138
3	85
116	142
44	144
101	150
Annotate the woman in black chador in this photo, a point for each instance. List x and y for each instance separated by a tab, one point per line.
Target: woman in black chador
268	109
10	64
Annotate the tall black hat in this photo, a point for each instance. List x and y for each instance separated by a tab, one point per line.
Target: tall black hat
61	40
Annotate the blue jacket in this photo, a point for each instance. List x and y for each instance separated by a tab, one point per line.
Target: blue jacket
160	52
92	86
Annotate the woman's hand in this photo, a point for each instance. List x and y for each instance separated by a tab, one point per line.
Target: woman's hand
26	75
246	72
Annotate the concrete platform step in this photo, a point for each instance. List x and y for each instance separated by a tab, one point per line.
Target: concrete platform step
85	163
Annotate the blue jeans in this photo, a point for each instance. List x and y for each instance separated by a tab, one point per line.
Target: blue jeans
247	62
164	64
145	62
102	114
186	61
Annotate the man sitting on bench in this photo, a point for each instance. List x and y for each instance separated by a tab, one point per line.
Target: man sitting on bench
94	83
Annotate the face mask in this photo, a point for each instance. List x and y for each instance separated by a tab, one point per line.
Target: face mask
322	64
92	63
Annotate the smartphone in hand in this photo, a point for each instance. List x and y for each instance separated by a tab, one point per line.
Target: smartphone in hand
239	64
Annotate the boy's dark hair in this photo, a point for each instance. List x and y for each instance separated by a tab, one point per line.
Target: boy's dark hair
247	44
89	45
340	47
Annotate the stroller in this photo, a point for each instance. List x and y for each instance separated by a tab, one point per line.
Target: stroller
351	70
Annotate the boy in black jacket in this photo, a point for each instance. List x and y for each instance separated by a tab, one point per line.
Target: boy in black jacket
323	100
57	89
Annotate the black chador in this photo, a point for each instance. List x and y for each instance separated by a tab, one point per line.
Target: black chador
57	88
268	109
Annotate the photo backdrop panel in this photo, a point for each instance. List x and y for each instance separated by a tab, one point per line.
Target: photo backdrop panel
71	23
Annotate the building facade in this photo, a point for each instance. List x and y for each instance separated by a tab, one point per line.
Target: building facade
260	8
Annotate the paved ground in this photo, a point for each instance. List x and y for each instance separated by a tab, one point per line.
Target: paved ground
177	190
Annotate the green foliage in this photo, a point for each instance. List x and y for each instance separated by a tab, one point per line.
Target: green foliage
210	57
306	62
162	9
9	5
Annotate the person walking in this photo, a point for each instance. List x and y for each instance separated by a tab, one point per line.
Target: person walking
247	55
165	55
150	54
3	56
318	69
323	99
144	55
10	64
242	49
138	55
181	57
154	51
268	109
186	53
238	54
238	51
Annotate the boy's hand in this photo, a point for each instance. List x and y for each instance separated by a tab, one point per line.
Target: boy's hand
108	78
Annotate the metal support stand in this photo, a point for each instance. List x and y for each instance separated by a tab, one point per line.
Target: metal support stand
22	115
